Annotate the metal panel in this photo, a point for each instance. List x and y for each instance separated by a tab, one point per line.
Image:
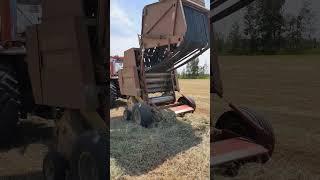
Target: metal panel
130	57
61	8
33	60
163	23
5	20
129	81
181	109
194	43
234	149
67	69
128	76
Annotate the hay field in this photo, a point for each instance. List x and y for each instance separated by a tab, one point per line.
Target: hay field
172	150
286	89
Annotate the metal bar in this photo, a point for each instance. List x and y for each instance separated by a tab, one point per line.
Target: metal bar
154	80
161	99
160	89
216	4
151	86
195	56
230	10
157	74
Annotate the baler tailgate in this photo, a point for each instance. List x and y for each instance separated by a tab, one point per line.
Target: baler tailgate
233	150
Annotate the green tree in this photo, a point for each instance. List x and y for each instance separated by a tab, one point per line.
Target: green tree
192	69
235	37
270	24
300	29
251	20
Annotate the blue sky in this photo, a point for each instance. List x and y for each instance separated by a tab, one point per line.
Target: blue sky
126	25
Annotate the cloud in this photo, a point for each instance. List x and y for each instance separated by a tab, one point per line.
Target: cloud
119	44
123	34
119	18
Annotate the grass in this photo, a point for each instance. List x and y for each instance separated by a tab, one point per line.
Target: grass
286	90
177	148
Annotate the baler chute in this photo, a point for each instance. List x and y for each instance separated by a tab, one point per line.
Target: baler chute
174	32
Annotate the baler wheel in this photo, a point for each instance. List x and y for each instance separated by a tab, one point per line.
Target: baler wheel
142	114
232	121
127	114
54	167
89	158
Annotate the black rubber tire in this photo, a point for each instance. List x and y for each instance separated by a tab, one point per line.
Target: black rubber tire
142	114
94	145
127	115
9	103
58	164
232	121
113	94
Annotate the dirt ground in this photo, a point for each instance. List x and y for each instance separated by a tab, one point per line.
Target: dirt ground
173	150
22	160
286	90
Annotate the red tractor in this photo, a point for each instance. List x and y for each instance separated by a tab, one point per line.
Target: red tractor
116	64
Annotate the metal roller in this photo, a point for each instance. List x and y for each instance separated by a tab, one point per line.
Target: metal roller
161	99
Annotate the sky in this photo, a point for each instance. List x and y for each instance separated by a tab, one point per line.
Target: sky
125	21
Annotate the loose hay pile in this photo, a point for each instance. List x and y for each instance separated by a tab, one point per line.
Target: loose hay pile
138	152
164	117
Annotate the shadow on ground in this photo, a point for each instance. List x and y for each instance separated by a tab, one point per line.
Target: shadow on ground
29	176
137	150
28	132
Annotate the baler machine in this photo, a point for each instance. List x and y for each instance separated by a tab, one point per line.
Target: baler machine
174	32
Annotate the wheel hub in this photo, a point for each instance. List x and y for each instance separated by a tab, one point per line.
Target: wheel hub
88	169
49	171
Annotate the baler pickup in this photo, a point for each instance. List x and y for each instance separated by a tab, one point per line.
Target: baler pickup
235	149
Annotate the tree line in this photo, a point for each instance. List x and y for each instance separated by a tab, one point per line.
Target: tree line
194	71
268	30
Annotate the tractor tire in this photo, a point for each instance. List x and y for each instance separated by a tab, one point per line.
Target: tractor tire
9	103
232	121
89	157
142	115
54	167
113	94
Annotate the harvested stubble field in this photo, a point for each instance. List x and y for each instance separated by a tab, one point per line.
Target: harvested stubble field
286	90
174	149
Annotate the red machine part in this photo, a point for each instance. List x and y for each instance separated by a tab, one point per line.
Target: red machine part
116	63
235	149
5	21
